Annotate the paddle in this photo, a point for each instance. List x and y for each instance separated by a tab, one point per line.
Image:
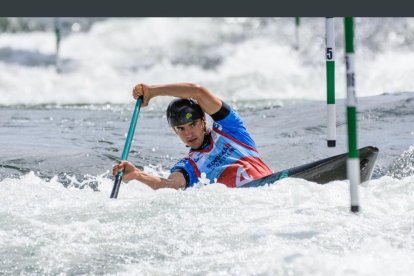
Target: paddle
127	146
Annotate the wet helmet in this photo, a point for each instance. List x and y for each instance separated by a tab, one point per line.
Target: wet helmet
183	111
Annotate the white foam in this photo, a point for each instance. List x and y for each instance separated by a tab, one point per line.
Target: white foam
291	227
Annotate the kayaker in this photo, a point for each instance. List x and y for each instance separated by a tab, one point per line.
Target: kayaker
225	153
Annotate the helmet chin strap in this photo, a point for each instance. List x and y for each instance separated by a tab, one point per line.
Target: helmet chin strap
204	125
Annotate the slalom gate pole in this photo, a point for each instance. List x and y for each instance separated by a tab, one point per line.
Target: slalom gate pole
297	24
330	81
127	147
351	101
58	37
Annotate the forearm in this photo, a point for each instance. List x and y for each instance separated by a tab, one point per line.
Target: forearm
157	182
207	100
181	90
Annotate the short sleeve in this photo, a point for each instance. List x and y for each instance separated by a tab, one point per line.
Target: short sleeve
233	125
184	166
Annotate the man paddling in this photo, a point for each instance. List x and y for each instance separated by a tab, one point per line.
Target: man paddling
224	154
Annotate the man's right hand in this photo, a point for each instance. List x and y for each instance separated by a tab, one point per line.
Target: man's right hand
130	171
142	90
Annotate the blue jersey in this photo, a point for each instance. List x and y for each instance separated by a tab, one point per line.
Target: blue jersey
230	158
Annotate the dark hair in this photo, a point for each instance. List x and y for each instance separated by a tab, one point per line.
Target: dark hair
183	111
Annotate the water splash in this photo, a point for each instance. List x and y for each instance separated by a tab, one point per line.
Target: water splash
404	165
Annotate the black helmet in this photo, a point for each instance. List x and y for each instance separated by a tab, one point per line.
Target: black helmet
183	111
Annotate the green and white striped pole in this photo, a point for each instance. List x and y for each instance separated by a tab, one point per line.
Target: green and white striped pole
330	80
297	24
351	101
58	37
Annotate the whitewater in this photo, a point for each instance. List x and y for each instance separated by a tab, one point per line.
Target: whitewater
61	133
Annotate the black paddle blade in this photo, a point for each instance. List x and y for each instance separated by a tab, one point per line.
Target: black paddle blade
117	184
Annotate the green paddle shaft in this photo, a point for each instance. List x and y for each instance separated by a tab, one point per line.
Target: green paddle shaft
127	147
